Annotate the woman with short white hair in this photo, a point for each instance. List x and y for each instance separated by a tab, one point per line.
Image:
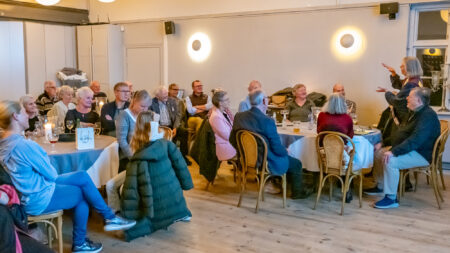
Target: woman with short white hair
28	102
82	111
334	116
60	109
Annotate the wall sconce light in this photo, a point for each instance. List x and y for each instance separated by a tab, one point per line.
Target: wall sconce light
199	47
444	15
432	51
47	2
347	43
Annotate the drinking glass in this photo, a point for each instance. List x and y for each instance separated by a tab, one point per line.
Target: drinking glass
53	138
297	127
97	128
70	125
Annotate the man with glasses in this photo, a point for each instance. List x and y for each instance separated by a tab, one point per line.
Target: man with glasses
111	110
198	104
46	100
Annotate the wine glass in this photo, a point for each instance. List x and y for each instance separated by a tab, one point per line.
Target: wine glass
354	119
53	138
69	125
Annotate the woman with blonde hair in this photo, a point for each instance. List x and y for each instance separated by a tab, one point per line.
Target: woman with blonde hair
83	111
28	102
42	189
299	108
60	109
155	179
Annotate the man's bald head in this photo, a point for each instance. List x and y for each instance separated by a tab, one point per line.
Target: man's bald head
339	88
254	86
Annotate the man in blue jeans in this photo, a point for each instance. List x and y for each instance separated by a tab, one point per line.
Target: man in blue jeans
412	146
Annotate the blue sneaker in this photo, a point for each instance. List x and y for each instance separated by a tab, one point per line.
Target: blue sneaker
87	247
386	203
118	223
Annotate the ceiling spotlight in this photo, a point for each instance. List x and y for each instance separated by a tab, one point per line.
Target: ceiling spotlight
106	1
47	2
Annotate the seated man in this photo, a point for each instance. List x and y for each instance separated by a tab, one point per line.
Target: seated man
47	99
198	104
245	105
339	88
95	87
279	161
412	146
111	110
182	132
167	108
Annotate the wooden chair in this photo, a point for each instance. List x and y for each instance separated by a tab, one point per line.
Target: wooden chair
279	101
248	153
48	220
330	157
168	133
444	126
430	171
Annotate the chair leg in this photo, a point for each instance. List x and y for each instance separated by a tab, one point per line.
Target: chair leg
400	185
416	178
49	235
331	188
260	191
60	236
345	186
243	181
441	174
319	190
435	189
361	180
284	190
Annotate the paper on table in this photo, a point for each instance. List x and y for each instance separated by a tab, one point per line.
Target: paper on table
155	134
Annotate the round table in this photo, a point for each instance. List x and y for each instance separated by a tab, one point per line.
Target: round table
101	163
302	146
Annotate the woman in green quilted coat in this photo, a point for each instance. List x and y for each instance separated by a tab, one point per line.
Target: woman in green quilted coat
155	179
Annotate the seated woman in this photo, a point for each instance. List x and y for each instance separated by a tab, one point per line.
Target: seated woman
29	103
221	121
334	116
42	189
126	121
60	109
300	108
83	110
155	179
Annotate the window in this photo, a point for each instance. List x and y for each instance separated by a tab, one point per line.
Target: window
428	41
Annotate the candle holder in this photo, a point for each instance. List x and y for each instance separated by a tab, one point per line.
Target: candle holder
445	72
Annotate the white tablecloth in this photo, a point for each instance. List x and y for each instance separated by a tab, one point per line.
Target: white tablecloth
106	166
304	149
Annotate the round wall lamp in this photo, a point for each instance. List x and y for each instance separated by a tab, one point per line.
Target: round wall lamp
347	43
199	47
444	15
47	2
432	51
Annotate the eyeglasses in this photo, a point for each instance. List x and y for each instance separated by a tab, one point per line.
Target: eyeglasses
124	91
198	86
175	89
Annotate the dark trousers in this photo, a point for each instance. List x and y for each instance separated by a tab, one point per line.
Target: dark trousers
182	136
294	176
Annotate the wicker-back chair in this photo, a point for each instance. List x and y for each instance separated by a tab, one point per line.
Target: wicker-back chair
247	143
330	148
168	134
430	171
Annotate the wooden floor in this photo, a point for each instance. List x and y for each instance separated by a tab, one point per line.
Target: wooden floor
219	226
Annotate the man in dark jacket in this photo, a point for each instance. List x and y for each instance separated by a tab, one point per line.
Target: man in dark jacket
167	108
255	120
47	99
412	146
111	110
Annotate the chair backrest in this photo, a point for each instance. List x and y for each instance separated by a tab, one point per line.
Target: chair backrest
444	125
167	132
330	148
439	147
247	143
279	100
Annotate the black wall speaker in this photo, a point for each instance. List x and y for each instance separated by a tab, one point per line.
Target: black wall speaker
169	27
389	8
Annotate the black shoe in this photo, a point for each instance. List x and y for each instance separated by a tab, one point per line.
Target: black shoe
306	192
375	191
348	197
88	247
408	187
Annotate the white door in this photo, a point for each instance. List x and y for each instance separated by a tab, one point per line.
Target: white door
143	67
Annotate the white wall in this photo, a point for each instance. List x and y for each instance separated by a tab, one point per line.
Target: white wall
138	10
12	61
284	49
49	48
